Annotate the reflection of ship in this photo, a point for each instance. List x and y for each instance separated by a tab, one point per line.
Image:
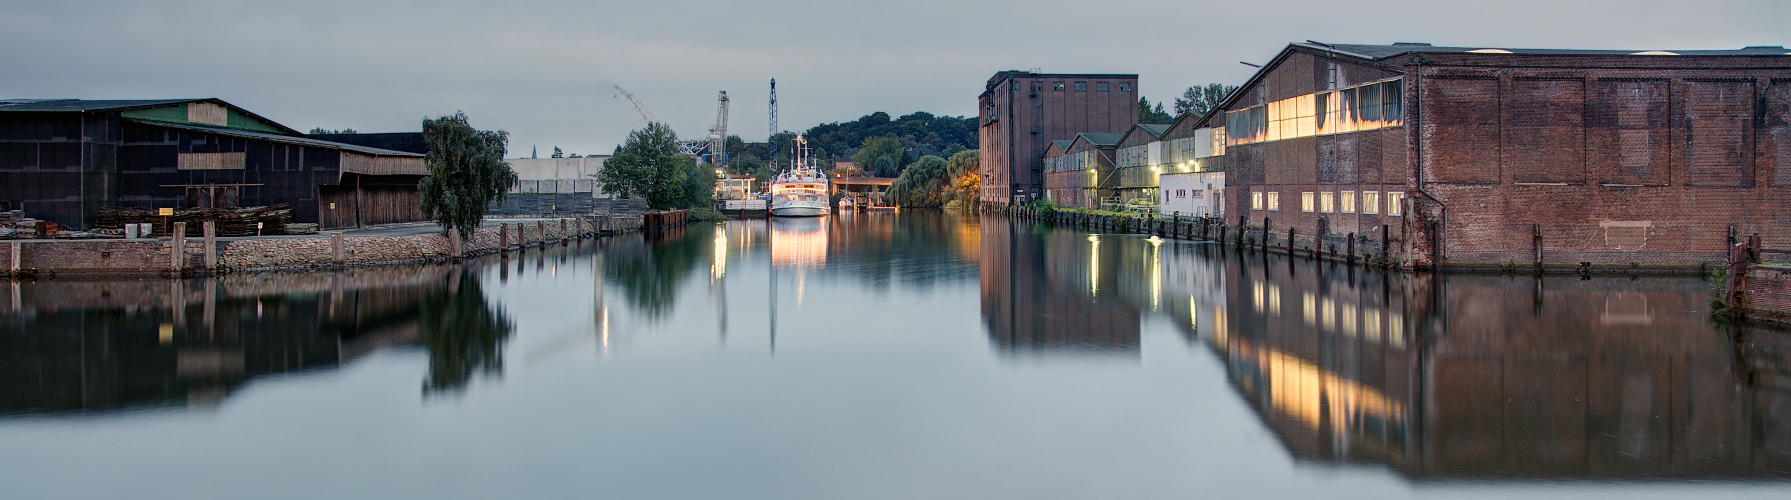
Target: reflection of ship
800	191
799	243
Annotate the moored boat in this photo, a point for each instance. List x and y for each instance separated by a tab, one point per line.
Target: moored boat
800	191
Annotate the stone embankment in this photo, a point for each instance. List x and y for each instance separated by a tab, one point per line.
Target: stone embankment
1377	250
57	258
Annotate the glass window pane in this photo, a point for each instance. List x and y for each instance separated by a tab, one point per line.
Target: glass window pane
1371	106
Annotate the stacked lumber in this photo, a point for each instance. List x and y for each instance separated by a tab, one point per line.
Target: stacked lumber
230	221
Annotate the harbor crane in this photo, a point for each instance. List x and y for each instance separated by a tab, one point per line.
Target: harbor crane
718	136
646	116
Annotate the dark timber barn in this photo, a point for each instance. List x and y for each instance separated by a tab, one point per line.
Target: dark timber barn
63	160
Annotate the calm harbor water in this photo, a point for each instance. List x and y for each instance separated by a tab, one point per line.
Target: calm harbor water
913	355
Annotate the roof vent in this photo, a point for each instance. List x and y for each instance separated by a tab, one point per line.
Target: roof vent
1489	51
1421	44
1654	53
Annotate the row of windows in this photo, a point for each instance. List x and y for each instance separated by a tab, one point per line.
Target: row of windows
1333	315
1367	107
1069	162
1329	202
1080	86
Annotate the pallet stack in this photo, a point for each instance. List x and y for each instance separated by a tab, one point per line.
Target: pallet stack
230	221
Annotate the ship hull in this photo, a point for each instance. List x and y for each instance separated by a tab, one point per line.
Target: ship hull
798	211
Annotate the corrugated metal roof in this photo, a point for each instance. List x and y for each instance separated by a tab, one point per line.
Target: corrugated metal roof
1155	129
276	138
1101	138
1063	144
1386	51
77	105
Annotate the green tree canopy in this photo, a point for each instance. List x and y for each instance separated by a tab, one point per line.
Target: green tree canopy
1198	100
466	172
648	166
1146	114
922	183
881	156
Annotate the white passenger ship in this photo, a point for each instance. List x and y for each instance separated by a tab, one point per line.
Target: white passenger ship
800	191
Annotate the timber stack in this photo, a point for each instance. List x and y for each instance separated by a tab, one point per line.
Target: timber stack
230	221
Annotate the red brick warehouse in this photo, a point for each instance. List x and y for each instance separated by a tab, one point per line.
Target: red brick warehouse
1483	157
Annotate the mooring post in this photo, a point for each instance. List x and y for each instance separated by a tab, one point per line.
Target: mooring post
1351	248
564	236
541	227
177	255
503	238
454	250
337	256
211	246
18	258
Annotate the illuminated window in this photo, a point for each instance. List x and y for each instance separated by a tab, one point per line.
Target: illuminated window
1218	141
1371	202
1393	203
1274	201
1326	202
1057	86
1256	200
1306	201
1100	86
1346	202
1309	308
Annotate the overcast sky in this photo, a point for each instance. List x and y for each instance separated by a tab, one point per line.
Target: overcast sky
544	69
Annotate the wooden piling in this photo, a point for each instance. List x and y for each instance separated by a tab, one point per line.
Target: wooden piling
210	229
177	254
338	255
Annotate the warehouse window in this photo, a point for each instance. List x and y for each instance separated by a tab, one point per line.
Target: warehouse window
1016	85
1100	86
1371	202
1393	203
1081	86
1326	202
1274	201
1057	86
1125	86
1306	201
1256	200
1346	202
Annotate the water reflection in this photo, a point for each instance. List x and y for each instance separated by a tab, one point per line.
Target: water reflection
1435	376
1487	377
83	346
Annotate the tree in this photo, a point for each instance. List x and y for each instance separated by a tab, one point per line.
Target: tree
325	131
648	166
1198	100
881	156
466	172
922	183
1148	115
557	153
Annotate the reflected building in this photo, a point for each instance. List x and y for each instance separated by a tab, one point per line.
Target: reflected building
1048	290
84	346
1488	377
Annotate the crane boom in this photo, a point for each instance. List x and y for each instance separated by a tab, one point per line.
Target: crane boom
646	116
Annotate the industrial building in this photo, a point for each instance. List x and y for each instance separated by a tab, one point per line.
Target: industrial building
1466	157
64	159
1079	172
1021	112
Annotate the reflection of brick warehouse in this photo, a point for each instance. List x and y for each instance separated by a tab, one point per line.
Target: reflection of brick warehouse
1029	308
1494	156
1640	388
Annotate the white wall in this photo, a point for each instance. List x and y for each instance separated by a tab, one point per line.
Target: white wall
1193	193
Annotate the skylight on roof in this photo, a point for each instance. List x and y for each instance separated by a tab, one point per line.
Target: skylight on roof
1654	53
1489	51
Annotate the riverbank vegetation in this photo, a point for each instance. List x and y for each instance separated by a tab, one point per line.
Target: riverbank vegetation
467	172
648	166
934	182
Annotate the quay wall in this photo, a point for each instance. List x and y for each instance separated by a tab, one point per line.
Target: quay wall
146	257
1384	246
1765	293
